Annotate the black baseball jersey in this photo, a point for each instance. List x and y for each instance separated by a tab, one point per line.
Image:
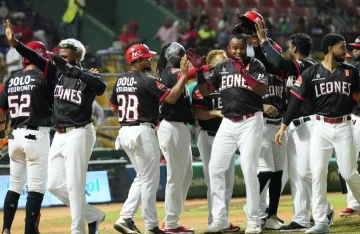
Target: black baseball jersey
26	96
211	102
73	96
137	97
275	95
329	93
237	97
356	106
181	110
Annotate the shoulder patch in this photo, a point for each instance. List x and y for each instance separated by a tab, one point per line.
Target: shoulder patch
298	81
175	70
197	95
159	85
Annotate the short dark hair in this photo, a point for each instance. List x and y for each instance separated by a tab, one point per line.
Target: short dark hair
302	42
330	39
237	36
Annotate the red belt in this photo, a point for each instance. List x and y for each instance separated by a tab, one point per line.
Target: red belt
64	130
333	120
241	118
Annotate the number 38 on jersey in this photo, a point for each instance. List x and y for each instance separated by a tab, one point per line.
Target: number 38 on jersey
128	107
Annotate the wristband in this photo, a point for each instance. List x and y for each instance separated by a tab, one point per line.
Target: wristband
200	77
206	68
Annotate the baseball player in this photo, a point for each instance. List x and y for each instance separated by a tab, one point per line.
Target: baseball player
137	97
330	86
353	206
242	82
300	129
74	93
272	157
174	139
207	110
26	97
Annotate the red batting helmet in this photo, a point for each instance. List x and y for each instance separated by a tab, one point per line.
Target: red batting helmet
248	20
138	51
38	47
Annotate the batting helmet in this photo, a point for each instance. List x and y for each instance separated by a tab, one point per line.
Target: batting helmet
248	20
38	47
138	51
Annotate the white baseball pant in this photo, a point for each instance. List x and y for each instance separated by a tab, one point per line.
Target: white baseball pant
68	163
29	159
351	201
174	141
244	135
272	158
324	139
141	145
205	143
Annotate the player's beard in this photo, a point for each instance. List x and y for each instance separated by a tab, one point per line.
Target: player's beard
338	58
357	58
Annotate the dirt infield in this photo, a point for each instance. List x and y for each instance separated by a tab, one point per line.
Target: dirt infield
57	219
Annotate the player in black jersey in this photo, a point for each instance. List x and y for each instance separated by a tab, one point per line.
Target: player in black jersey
207	110
272	157
25	95
353	206
74	93
297	148
174	139
137	97
329	86
241	81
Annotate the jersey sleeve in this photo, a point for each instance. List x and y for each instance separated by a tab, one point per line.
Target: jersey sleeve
4	104
214	77
113	97
257	70
158	89
198	100
355	86
301	88
169	77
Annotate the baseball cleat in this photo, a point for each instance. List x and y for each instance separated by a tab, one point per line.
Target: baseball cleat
6	231
272	223
217	227
232	228
253	228
293	227
126	226
319	229
180	230
330	217
348	212
155	230
94	226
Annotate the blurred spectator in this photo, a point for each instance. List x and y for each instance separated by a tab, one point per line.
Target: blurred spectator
22	31
90	60
13	61
38	26
269	22
223	35
4	11
98	112
284	25
199	16
191	37
356	27
207	37
317	28
129	35
166	33
178	25
72	17
300	27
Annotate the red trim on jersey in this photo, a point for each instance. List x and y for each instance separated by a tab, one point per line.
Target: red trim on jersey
283	75
46	68
297	67
112	104
3	110
200	106
212	86
297	95
354	96
165	95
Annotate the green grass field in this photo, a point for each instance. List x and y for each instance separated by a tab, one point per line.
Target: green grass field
57	219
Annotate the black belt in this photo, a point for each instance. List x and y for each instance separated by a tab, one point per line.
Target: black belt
210	133
136	124
273	122
34	128
169	120
297	122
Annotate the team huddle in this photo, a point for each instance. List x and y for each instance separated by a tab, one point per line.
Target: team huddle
279	113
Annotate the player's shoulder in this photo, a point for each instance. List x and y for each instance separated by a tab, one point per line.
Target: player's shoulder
254	62
225	63
346	65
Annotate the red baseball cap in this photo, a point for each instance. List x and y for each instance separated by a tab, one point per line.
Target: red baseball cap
348	55
357	43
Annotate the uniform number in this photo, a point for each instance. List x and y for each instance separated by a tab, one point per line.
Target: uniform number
128	107
18	104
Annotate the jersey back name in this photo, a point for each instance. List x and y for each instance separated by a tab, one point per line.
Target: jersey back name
26	96
275	94
137	97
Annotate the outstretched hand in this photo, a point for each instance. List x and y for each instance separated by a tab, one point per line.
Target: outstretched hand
195	59
260	30
10	33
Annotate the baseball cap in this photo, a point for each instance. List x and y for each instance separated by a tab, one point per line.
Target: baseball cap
133	23
357	42
348	55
